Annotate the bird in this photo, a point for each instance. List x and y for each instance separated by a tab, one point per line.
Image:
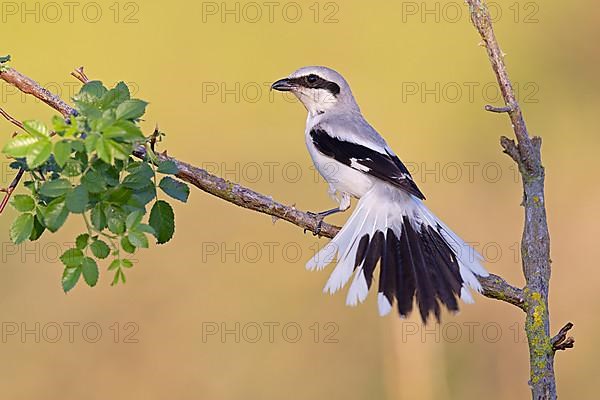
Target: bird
420	259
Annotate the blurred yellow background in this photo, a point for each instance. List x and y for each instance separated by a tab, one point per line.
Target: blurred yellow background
226	310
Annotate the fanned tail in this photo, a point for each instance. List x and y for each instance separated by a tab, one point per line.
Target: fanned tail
419	256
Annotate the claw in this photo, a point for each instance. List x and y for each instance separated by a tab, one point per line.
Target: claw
320	218
317	231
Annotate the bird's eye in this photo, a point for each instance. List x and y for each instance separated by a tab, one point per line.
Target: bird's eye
312	78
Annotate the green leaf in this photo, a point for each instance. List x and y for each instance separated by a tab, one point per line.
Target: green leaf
106	120
62	128
127	246
174	188
119	195
94	88
143	196
72	258
36	129
100	124
77	199
123	90
109	150
40	211
131	109
114	264
134	219
145	228
62	152
100	249
55	215
138	239
89	268
140	168
19	145
90	93
94	181
162	220
55	188
126	263
79	146
98	217
120	151
118	274
104	151
136	182
4	59
115	96
23	202
21	228
59	123
90	142
38	153
168	167
125	131
72	167
116	225
70	278
82	241
139	177
38	229
110	173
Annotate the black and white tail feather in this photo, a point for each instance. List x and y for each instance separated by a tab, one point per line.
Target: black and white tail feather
418	256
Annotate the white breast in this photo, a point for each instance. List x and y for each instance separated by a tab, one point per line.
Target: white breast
339	176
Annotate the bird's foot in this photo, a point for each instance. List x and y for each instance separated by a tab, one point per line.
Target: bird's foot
320	217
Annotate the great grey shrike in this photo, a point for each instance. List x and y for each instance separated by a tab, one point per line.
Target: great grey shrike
418	255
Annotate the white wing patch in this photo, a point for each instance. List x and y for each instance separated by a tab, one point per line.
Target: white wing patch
355	163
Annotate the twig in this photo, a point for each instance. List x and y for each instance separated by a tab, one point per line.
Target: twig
497	288
493	286
535	243
154	137
80	75
11	119
561	341
10	189
510	148
491	108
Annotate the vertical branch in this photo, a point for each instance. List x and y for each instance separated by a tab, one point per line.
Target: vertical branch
535	243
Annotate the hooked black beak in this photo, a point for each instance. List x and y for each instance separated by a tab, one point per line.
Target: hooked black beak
283	85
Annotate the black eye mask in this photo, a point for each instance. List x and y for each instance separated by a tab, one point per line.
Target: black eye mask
313	81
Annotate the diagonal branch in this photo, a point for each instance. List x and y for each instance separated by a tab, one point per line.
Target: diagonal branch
29	86
10	189
10	119
493	286
13	185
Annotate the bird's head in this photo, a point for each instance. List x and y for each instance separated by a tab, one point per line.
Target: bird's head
320	89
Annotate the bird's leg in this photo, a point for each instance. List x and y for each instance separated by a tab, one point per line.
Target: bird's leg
327	213
344	201
321	216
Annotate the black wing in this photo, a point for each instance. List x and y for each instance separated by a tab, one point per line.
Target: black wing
386	167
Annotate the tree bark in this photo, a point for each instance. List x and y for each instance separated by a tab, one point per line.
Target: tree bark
535	243
494	286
